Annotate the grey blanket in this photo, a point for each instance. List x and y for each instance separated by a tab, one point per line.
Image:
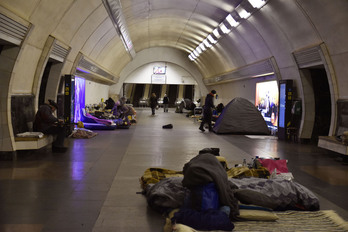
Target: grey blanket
166	195
287	195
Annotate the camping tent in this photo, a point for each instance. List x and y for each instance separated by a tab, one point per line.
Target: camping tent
240	116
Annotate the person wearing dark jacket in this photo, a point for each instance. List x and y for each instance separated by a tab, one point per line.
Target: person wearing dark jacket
47	123
153	103
207	111
165	103
109	103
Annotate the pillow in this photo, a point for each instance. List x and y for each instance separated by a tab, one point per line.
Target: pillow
183	228
257	215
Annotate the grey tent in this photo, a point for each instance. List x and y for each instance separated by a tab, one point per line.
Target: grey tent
240	116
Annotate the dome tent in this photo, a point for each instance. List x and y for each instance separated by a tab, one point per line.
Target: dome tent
240	116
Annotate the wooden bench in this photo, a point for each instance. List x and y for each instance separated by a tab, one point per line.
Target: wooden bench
331	143
31	143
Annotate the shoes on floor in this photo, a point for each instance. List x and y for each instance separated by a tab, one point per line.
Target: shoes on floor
168	126
202	129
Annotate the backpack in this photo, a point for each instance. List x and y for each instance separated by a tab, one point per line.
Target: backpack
203	197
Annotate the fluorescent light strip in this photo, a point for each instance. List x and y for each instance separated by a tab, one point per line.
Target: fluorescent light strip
206	43
211	39
224	29
201	46
244	14
257	3
114	9
216	33
231	21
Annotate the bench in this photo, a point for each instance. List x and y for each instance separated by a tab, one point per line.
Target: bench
32	143
331	143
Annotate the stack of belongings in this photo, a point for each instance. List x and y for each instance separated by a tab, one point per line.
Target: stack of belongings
207	195
211	204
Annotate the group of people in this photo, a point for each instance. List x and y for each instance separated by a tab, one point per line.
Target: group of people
47	123
207	109
121	110
154	103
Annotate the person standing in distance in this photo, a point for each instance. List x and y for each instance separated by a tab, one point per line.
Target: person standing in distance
165	103
153	103
208	111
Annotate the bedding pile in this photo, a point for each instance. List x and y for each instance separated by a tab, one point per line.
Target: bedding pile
207	195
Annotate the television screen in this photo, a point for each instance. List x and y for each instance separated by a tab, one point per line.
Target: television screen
159	70
266	101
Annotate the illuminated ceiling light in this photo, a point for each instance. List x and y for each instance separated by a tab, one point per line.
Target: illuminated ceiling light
231	21
195	53
199	50
211	39
206	43
114	9
257	3
191	58
201	45
82	70
243	13
216	33
224	29
263	74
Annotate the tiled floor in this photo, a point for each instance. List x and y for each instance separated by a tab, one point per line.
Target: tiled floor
94	185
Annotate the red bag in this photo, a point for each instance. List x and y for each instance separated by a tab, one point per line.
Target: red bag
271	164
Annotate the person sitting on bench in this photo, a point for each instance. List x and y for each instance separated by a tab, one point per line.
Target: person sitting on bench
47	123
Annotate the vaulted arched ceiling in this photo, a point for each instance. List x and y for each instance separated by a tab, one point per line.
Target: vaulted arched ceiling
276	30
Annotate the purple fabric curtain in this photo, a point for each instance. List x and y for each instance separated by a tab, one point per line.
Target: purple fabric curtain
80	89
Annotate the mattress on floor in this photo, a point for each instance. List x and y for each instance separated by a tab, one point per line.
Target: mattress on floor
98	126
